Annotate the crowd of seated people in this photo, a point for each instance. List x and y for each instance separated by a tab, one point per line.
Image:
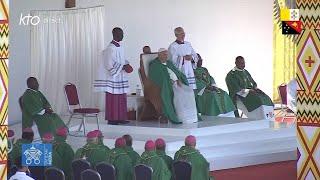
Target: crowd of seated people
122	157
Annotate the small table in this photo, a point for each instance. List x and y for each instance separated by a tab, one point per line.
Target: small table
135	102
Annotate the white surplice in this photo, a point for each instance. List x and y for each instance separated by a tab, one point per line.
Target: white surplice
111	76
176	53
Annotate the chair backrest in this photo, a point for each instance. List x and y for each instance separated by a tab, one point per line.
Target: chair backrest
106	171
142	172
37	172
72	97
282	90
182	170
53	173
90	174
146	59
78	166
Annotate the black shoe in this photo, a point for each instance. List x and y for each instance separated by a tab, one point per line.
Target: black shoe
124	122
113	122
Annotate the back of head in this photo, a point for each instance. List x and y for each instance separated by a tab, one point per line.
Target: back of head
128	139
160	144
47	138
62	131
18	163
92	137
149	146
190	141
120	143
27	133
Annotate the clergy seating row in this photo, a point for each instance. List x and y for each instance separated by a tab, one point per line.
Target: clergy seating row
82	169
104	170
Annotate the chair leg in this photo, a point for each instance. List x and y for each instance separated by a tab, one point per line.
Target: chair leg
69	120
97	117
84	125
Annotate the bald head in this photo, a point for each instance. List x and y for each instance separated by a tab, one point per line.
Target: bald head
117	34
128	139
179	33
240	63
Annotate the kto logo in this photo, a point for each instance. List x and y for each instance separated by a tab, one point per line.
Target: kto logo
28	19
34	20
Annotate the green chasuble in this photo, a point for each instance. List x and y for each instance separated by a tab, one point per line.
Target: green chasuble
104	147
121	161
158	73
159	167
167	159
133	155
200	166
211	103
66	153
57	160
241	79
92	153
33	102
17	149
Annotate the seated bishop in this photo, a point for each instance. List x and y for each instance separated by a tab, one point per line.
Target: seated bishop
178	101
211	100
36	108
247	97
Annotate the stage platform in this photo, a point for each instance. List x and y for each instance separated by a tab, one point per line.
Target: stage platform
225	142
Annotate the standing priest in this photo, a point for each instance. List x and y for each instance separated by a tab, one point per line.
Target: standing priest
183	56
113	80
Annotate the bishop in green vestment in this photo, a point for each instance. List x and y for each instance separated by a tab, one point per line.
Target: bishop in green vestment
57	161
150	158
211	100
36	108
200	166
100	142
161	151
92	151
27	138
119	158
241	85
164	74
133	154
64	150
